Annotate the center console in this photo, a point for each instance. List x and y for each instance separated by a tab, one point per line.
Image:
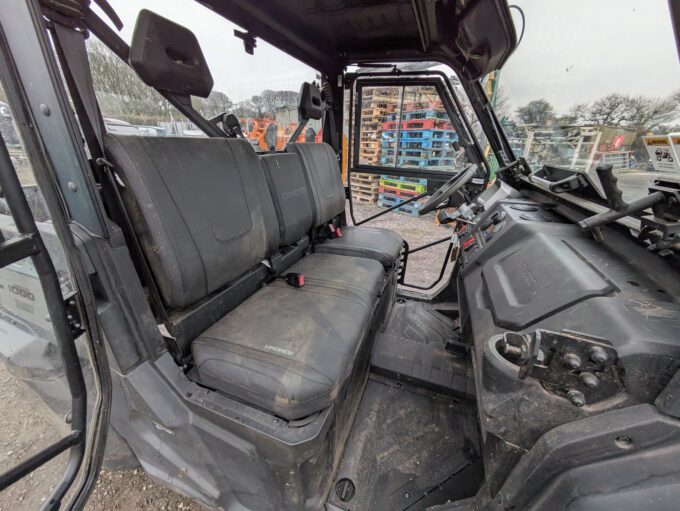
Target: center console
561	326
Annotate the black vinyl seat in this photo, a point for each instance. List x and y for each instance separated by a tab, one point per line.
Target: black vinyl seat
328	194
206	211
382	245
289	350
201	209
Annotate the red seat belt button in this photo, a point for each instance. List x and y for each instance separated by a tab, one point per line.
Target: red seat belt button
295	279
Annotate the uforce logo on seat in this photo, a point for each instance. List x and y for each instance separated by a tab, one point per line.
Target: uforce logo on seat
283	351
294	193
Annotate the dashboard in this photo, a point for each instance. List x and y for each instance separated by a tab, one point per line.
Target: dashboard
560	326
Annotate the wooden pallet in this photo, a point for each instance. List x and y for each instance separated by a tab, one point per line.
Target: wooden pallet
362	177
364	197
365	188
370	159
369	150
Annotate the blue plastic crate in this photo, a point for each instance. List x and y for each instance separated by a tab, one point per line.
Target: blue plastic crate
387	200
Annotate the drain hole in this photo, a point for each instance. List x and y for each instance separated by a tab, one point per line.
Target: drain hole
400	300
344	489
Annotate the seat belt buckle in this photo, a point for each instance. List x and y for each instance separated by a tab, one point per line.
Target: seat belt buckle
295	279
336	232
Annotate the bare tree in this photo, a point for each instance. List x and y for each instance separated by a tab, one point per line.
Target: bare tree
500	103
121	93
273	99
245	109
640	112
609	110
646	113
215	104
259	106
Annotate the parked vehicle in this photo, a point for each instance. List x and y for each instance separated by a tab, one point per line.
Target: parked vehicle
151	131
213	314
118	127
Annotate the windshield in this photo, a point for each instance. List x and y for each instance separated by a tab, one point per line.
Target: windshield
594	83
260	89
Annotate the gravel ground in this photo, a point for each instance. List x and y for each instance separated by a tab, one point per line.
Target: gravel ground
26	425
423	267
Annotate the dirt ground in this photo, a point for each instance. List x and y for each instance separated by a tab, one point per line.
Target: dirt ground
424	266
26	425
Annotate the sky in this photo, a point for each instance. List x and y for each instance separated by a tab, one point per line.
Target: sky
577	50
573	51
235	73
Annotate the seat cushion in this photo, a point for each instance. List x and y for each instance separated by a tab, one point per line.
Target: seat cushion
292	200
289	350
324	179
200	207
363	276
381	245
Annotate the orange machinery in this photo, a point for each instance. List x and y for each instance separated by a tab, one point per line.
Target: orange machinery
267	135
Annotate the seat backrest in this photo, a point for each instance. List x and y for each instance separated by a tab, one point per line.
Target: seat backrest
292	200
200	207
324	179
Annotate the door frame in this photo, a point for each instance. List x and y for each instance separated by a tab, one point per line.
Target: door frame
356	81
437	79
40	109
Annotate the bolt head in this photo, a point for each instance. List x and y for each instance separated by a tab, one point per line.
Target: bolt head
576	398
572	361
589	380
598	355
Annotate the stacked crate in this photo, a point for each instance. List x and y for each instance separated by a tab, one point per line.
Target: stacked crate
365	187
425	140
376	105
395	190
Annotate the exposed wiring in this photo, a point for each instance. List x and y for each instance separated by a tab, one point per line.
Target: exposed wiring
524	22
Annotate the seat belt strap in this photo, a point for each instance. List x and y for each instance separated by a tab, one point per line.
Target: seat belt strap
333	131
72	54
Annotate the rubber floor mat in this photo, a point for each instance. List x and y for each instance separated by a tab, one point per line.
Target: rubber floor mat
420	322
413	350
408	449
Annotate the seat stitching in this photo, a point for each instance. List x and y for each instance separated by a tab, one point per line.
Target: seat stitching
309	185
311	182
143	179
319	289
331	165
333	386
275	199
342	286
268	357
172	198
